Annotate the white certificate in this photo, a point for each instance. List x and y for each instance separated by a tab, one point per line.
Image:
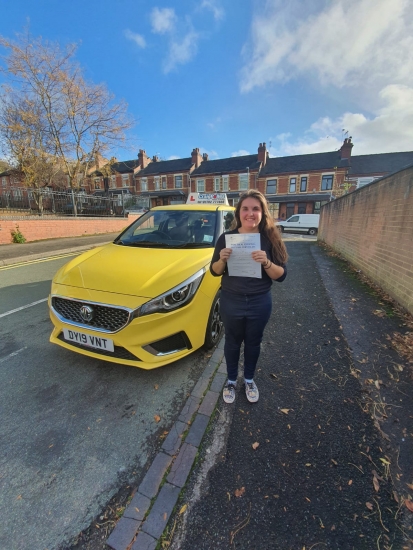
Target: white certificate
240	263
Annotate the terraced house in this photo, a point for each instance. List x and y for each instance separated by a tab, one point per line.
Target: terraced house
292	184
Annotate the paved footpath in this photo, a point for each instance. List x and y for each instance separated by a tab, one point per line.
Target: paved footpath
332	467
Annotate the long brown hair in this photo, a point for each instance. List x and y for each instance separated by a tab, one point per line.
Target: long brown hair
266	226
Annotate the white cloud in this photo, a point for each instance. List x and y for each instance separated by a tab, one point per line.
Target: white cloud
216	9
173	157
240	153
349	43
163	20
180	52
214	123
390	129
135	37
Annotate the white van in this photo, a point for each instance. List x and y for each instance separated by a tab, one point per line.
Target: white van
301	223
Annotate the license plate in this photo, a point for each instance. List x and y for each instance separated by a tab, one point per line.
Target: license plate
97	342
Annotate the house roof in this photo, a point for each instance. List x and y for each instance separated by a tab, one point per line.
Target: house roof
303	163
167	166
382	163
227	165
123	167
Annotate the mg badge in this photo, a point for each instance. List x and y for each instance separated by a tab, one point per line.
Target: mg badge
87	313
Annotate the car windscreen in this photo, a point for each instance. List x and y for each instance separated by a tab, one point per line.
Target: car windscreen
171	229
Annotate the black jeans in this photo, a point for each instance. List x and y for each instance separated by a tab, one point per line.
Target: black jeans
245	317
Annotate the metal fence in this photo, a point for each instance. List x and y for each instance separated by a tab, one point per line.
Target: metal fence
44	202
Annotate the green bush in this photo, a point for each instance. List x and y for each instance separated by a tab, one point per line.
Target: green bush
17	236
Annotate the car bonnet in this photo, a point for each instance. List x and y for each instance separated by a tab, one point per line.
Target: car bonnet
144	272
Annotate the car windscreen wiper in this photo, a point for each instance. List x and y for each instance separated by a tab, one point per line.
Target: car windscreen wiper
193	245
156	244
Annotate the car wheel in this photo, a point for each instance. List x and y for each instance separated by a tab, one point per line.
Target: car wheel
312	231
214	326
281	228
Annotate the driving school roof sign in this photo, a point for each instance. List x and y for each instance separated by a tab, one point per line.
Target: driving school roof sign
207	198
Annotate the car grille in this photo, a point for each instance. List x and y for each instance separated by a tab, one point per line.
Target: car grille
106	318
118	353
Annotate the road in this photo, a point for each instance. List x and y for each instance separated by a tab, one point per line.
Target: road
74	430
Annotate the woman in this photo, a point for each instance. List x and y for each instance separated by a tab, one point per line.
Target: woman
246	301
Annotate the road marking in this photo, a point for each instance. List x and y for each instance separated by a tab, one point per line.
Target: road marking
39	260
23	307
12	354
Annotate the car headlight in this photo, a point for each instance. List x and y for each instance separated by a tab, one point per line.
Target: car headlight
174	298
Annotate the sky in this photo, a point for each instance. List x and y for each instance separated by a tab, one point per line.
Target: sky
226	75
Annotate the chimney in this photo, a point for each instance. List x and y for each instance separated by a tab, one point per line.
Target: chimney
345	150
262	153
155	158
196	157
99	161
205	157
143	158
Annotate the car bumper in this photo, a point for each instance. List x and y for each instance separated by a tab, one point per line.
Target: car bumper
150	341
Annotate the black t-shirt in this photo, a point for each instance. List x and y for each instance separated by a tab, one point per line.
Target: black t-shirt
246	285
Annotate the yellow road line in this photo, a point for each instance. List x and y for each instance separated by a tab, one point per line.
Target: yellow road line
39	260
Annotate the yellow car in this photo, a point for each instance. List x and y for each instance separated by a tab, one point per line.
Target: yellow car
148	298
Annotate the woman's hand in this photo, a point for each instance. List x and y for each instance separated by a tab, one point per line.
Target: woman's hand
225	254
260	256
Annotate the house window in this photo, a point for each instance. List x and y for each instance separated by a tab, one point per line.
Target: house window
17	193
271	187
225	183
200	186
217	184
113	181
303	184
178	182
243	182
274	209
163	182
157	181
125	180
4	181
144	184
97	183
293	184
327	182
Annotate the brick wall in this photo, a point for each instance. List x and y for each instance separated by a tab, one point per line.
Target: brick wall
373	229
34	229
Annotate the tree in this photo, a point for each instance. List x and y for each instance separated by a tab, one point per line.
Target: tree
51	118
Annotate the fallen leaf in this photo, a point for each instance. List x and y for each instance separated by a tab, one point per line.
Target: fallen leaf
156	386
376	483
350	482
165	515
308	464
334	462
136	509
255	445
157	418
409	486
285	411
369	505
182	510
409	505
229	496
239	492
385	461
274	375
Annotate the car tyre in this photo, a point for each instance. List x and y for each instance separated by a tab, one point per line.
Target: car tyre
312	231
214	326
